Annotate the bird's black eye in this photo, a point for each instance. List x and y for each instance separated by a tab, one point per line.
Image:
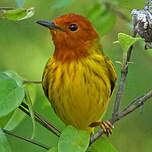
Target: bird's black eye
73	27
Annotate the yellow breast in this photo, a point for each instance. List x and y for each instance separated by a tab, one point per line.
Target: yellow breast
79	91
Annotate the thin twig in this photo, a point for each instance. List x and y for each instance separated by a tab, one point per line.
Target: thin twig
32	81
133	101
32	141
124	72
6	8
40	120
48	123
136	103
117	12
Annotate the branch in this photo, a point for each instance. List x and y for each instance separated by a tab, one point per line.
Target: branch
136	103
26	139
115	11
40	120
124	72
6	8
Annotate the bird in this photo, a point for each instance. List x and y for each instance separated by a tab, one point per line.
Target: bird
78	78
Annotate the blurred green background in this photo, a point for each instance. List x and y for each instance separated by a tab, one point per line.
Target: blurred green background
25	48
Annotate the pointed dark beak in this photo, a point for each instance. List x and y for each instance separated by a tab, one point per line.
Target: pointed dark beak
50	25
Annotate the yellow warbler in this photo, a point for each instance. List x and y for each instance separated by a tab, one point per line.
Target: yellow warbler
78	79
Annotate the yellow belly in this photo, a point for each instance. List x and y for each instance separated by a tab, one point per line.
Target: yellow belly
78	91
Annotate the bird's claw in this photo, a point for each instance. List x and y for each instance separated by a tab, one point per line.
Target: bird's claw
106	126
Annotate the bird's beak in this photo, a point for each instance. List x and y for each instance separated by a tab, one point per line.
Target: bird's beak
50	25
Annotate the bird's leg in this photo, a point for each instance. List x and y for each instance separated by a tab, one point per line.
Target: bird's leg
106	126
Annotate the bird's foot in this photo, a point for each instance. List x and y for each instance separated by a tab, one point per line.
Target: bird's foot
106	126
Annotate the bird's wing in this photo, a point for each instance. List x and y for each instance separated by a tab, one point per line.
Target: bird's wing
111	73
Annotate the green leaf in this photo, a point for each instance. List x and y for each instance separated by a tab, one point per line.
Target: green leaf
101	145
61	3
18	116
20	3
4	144
126	41
15	76
15	14
102	19
4	120
29	13
18	14
15	120
54	149
11	95
12	120
73	140
3	76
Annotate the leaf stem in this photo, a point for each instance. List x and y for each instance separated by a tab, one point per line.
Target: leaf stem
32	141
32	81
29	101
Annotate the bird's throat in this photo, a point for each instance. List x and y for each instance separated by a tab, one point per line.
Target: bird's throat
68	54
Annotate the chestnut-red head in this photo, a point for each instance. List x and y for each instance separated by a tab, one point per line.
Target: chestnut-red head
73	36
